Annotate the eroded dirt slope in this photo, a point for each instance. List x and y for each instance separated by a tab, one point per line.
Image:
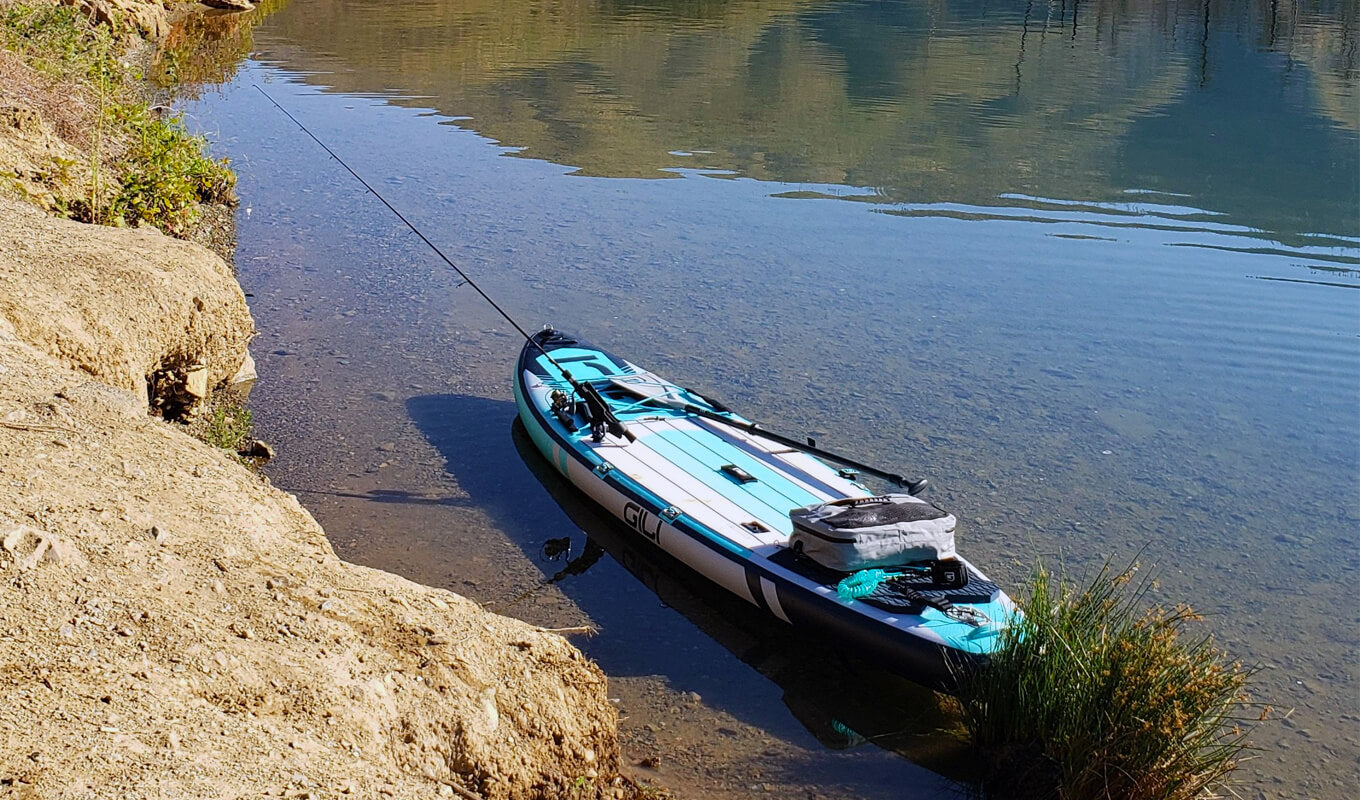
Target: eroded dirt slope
171	626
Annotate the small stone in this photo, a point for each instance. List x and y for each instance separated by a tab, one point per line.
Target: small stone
196	381
258	449
386	397
230	5
247	373
159	534
13	538
60	551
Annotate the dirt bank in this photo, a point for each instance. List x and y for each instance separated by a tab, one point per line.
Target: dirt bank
173	626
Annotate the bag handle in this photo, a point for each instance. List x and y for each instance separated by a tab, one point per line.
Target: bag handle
860	501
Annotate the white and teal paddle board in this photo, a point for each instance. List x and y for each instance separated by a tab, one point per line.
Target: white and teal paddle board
717	497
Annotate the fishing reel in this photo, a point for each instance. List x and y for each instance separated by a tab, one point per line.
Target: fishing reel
561	407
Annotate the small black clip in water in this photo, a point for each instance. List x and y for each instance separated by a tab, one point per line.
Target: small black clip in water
554	549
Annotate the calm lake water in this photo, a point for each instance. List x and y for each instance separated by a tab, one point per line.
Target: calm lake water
1090	266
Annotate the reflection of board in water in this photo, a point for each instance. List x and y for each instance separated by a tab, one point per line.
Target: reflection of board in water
842	701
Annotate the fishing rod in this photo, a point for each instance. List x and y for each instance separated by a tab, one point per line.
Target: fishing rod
594	401
589	393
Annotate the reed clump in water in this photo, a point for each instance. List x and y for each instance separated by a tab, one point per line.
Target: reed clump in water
1094	694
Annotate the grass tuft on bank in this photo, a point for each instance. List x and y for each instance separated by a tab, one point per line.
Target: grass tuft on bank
1097	694
144	167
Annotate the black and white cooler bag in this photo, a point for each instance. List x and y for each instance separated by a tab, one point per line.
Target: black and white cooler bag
864	532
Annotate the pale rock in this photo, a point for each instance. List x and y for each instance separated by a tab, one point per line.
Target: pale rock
246	375
488	719
31	547
60	551
15	536
196	381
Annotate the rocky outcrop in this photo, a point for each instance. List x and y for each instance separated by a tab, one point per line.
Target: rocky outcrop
171	626
120	305
134	16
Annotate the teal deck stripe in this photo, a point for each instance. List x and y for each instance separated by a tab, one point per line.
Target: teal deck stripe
594	369
793	494
764	503
776	489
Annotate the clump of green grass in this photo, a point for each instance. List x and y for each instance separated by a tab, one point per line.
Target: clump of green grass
226	425
1093	694
146	168
166	173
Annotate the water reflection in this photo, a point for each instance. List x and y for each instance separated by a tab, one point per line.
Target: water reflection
206	46
1245	109
843	703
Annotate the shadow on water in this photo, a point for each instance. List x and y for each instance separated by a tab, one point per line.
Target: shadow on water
841	701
